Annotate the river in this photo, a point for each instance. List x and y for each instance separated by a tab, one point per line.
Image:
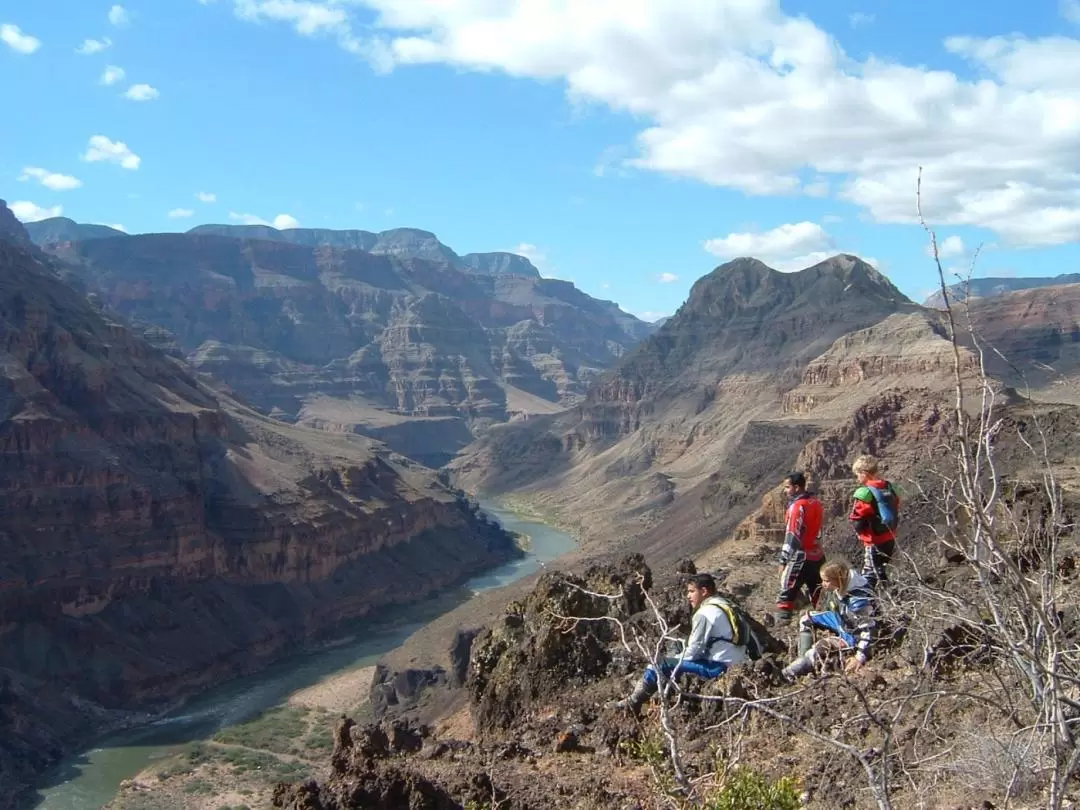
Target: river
91	779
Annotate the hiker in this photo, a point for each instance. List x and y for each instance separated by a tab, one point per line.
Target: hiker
719	637
874	515
800	556
848	613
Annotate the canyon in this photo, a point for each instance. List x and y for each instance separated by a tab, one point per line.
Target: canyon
221	424
160	536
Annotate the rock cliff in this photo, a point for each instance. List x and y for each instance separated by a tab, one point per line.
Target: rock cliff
393	326
159	536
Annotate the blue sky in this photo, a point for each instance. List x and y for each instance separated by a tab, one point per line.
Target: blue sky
630	147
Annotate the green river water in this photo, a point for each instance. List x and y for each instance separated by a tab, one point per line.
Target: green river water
91	779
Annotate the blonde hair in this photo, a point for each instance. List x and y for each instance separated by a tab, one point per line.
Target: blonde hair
839	571
865	464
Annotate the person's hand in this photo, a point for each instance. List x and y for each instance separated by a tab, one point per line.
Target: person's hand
854	664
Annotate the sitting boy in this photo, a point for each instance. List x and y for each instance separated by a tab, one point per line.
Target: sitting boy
710	649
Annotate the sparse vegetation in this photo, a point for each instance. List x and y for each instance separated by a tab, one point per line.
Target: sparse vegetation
280	730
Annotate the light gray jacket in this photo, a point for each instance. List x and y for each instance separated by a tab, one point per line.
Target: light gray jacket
709	634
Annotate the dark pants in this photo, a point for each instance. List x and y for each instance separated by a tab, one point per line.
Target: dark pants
875	559
702	669
795	575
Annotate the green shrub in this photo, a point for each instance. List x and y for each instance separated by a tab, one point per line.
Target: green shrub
746	789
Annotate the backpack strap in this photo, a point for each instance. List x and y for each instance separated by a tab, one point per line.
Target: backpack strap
736	625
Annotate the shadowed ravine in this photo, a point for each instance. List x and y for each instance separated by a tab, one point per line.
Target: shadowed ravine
90	779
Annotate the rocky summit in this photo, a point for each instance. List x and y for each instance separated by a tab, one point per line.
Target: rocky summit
159	536
389	335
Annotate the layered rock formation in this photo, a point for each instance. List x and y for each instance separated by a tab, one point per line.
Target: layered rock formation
158	536
394	326
1031	339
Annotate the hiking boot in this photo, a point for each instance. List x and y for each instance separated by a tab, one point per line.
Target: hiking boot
797	668
781	616
641	694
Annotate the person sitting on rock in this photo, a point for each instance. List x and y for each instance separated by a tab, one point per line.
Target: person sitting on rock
710	649
800	556
848	613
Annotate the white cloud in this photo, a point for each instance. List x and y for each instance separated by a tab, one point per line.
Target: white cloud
206	197
51	180
92	46
112	74
948	248
307	18
26	211
789	247
141	92
651	316
667	278
14	38
118	16
739	94
1070	10
281	221
180	213
101	148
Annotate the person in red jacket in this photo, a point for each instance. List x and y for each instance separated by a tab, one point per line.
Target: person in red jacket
801	554
874	516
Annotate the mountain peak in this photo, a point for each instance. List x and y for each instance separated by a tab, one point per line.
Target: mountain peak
749	282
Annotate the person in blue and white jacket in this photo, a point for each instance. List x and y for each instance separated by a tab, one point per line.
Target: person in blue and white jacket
848	614
710	649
